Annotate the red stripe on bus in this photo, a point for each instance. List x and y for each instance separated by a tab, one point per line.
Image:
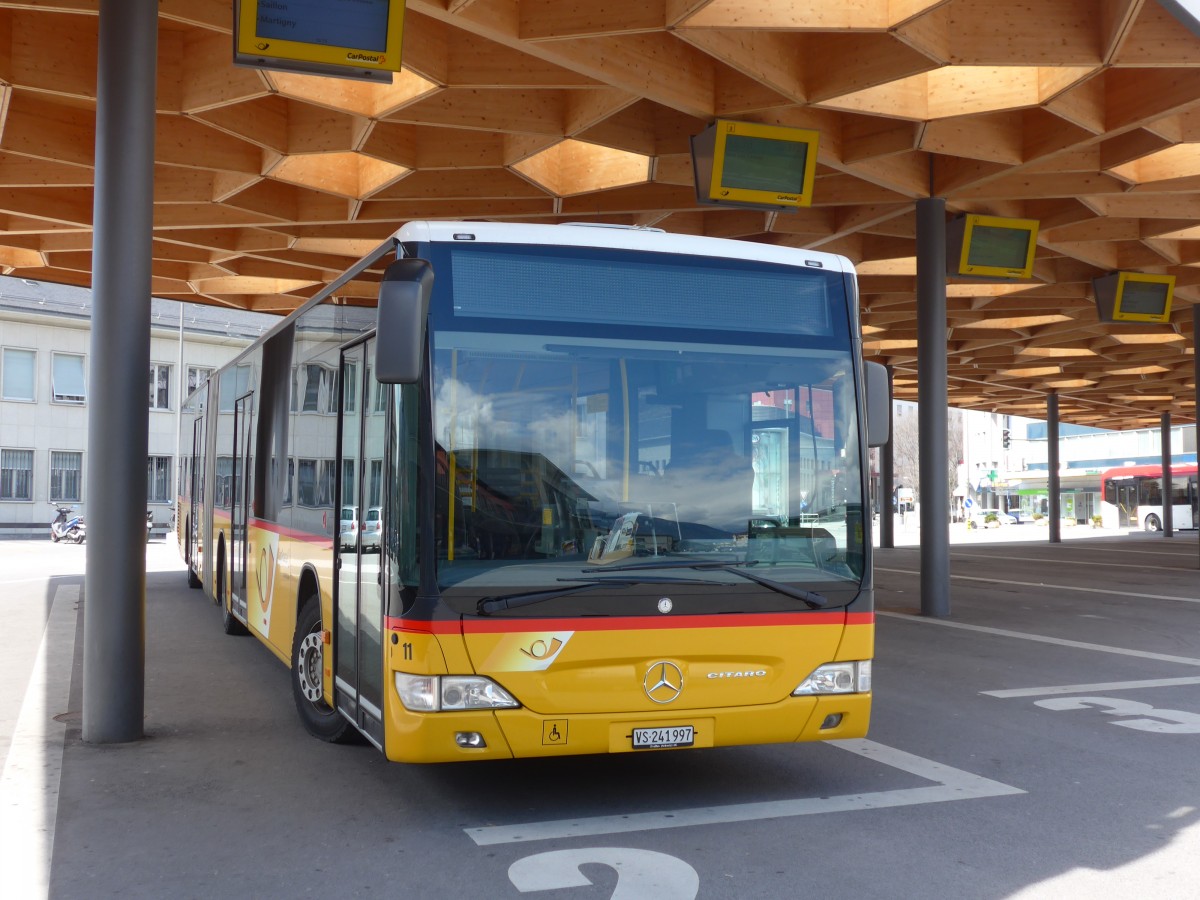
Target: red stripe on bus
308	537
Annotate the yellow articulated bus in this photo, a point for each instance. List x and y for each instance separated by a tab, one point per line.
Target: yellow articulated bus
559	489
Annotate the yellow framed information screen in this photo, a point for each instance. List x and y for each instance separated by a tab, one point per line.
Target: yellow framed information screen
362	34
991	246
1134	297
757	166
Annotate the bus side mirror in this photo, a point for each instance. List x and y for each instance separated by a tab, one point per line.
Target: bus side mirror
403	310
879	404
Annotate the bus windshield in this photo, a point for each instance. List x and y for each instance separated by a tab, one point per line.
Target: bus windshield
596	443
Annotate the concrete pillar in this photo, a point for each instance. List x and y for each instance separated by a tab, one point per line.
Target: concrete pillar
114	621
932	397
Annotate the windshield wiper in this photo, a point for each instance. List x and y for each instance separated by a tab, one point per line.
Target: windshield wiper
489	605
811	598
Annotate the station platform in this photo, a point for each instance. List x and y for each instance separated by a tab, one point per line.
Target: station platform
993	767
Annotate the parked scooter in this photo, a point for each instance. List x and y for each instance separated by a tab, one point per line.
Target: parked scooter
149	523
67	526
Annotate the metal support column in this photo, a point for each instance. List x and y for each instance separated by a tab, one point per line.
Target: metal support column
887	485
114	648
932	397
1168	518
1196	362
1053	486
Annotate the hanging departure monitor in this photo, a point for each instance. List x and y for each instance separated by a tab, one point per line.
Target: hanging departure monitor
754	166
1134	297
358	39
991	247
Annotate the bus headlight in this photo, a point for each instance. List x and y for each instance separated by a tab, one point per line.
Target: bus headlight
443	693
837	678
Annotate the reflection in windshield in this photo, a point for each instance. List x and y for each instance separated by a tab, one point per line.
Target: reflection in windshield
571	453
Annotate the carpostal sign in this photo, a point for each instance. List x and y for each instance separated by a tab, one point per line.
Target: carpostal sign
359	34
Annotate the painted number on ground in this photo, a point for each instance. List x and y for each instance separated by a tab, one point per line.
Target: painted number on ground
1145	716
641	874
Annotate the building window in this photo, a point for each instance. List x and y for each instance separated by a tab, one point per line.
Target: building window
66	476
350	389
319	390
306	482
286	498
67	375
223	494
232	384
160	386
325	483
158	479
18	376
380	405
16	474
195	377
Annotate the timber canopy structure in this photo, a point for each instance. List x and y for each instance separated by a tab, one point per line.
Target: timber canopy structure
1082	114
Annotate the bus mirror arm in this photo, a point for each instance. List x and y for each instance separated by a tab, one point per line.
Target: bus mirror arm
403	310
878	403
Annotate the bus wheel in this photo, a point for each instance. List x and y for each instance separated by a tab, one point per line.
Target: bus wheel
1152	523
231	624
193	579
308	663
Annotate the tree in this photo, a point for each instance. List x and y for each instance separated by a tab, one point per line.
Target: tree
906	447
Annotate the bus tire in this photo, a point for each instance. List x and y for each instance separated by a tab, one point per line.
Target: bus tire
231	624
219	593
193	579
308	663
1152	523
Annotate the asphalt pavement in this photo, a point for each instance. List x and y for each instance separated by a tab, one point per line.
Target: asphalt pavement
1041	742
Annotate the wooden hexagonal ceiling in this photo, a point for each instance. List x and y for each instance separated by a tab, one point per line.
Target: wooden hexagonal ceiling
1083	114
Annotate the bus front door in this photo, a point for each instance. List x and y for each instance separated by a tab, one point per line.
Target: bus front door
358	646
196	492
1127	501
1193	499
239	530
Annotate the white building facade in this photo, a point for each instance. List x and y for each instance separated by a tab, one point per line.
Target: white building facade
45	335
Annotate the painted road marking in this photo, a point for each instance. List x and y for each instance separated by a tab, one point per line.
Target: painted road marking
948	784
1078	562
1043	639
1149	718
640	873
1057	587
1091	688
33	767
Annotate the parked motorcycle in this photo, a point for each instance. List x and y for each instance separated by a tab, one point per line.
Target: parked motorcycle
67	525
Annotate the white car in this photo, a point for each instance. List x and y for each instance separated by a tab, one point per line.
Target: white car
348	528
372	529
989	518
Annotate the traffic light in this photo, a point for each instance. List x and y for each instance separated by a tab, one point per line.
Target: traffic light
1007	439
